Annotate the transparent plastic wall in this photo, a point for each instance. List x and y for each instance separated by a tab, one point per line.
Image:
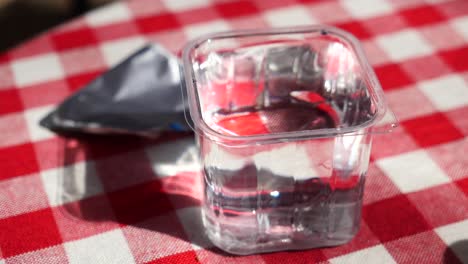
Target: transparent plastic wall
284	120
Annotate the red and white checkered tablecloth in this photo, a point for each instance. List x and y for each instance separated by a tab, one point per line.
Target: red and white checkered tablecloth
125	200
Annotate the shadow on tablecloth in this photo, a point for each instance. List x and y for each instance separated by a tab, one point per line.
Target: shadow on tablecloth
458	248
148	184
151	184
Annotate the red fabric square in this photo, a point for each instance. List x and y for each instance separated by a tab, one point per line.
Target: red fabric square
402	102
51	153
458	118
17	160
451	158
421	248
173	40
385	24
432	129
7	80
402	4
356	28
394	218
272	4
438	34
21	195
73	38
4	57
311	1
375	54
394	143
139	202
13	130
57	152
453	8
36	46
157	237
28	232
184	257
236	9
456	58
463	185
247	22
450	206
142	8
55	254
78	81
424	68
159	22
322	10
192	16
378	186
82	60
116	31
43	94
74	24
391	76
422	15
312	256
11	101
84	218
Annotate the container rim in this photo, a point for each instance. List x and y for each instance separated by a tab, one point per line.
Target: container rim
369	77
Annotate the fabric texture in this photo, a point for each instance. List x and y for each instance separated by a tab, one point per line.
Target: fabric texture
131	200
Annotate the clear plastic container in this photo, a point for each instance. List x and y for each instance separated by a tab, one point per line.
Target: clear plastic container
284	121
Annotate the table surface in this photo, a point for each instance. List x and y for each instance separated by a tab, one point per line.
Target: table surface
126	200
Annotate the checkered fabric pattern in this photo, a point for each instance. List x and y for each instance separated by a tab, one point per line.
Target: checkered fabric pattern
129	200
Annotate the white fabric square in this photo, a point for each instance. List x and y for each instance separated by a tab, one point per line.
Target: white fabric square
108	14
367	8
453	233
377	254
404	45
37	69
292	160
181	5
109	247
33	116
461	26
71	183
413	171
116	51
289	16
172	158
191	220
447	92
196	30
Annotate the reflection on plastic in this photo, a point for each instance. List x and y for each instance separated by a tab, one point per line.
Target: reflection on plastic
313	82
